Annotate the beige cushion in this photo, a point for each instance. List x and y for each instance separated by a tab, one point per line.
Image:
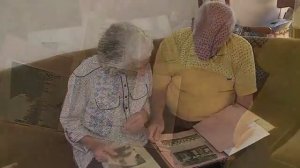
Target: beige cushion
32	146
289	153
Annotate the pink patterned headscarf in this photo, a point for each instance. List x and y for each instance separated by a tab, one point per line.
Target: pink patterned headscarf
212	28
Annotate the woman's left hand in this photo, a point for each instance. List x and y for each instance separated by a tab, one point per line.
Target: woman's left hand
136	122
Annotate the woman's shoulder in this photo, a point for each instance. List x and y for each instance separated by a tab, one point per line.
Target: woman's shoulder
87	66
238	46
178	35
183	31
178	39
239	41
182	34
240	49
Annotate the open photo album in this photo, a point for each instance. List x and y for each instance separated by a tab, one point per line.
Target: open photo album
213	139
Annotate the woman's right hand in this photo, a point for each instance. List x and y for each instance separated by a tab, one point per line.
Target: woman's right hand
155	128
101	150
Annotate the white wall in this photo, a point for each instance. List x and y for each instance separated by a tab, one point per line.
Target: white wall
61	26
255	12
33	30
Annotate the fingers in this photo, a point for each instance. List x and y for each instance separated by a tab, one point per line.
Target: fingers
134	128
135	123
155	133
110	151
131	122
101	156
151	130
139	116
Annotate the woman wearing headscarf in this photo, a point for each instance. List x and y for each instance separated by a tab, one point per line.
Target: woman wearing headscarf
201	70
107	101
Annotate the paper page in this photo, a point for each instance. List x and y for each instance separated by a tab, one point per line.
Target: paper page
242	130
233	124
257	134
219	129
187	149
265	124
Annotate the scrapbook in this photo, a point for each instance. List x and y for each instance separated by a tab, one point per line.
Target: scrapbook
213	139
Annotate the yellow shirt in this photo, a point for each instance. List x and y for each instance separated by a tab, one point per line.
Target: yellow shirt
197	88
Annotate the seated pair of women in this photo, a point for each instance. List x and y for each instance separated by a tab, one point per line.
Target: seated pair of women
197	72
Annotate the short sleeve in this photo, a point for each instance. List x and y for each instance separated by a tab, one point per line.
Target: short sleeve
166	63
244	68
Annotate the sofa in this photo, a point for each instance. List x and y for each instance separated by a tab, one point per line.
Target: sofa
277	102
31	144
296	33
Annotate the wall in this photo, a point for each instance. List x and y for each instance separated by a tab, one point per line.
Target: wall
255	12
69	25
37	30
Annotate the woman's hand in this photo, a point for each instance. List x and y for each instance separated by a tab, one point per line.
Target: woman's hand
156	127
101	150
136	122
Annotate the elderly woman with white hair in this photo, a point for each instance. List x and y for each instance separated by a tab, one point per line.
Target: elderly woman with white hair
201	70
107	101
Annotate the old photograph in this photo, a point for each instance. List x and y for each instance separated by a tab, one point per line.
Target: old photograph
131	157
188	149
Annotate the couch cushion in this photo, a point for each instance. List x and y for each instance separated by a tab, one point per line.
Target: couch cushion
277	101
261	77
33	147
289	153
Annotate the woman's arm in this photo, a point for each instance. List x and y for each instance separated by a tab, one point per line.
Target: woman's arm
73	110
158	102
245	74
158	99
245	101
161	80
100	149
90	142
71	116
